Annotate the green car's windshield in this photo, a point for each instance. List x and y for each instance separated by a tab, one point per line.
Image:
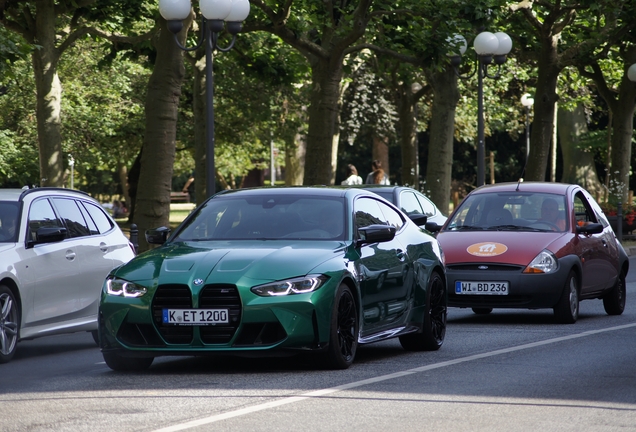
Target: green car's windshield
511	211
270	217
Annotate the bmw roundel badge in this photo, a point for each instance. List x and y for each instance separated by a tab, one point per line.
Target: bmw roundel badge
198	281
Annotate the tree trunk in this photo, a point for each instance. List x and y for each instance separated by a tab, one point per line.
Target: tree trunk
544	108
49	94
622	131
440	148
322	135
407	110
578	164
295	161
157	159
380	152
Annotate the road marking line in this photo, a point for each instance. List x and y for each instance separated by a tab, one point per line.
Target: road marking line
317	393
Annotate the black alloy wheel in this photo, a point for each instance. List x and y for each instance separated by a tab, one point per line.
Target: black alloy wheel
434	326
343	342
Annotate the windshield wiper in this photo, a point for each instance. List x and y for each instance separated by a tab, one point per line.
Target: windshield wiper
514	228
466	227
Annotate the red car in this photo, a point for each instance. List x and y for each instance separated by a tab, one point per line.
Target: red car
532	245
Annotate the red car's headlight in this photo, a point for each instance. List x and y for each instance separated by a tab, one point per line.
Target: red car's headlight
543	263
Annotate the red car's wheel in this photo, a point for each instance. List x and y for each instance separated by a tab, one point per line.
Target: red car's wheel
614	301
567	309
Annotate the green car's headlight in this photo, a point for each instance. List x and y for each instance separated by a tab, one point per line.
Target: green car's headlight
301	285
121	287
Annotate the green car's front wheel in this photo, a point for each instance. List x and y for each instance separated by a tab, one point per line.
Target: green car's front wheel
126	364
343	341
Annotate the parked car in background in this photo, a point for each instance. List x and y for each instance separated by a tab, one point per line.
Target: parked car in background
56	248
409	201
533	245
277	270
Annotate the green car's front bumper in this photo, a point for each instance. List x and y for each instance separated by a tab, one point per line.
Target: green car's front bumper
133	326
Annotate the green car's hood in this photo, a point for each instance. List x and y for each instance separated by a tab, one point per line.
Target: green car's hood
229	261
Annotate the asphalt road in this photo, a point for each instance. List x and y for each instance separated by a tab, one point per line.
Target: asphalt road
511	370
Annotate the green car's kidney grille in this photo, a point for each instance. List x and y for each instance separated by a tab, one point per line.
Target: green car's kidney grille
172	296
220	297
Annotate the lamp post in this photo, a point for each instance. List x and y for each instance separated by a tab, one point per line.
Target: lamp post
489	47
217	15
527	101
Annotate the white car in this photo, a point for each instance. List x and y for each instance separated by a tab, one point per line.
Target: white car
56	248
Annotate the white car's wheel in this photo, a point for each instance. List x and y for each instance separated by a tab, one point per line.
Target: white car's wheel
9	324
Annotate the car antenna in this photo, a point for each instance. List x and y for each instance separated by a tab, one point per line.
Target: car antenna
523	171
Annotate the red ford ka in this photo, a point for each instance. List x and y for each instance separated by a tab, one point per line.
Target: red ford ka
532	245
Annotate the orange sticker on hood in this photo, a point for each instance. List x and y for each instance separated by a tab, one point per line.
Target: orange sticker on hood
487	249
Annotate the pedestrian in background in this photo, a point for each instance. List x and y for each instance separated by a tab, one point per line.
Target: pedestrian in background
377	176
189	188
354	178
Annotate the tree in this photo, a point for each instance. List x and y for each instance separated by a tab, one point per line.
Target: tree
619	94
152	207
562	34
324	33
54	27
578	163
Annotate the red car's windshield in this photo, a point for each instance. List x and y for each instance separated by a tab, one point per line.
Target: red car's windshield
511	211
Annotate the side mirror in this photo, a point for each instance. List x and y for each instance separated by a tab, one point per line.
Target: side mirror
419	219
376	234
49	235
432	227
157	235
593	228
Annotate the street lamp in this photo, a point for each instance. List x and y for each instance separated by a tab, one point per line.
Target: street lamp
217	15
631	73
489	47
527	101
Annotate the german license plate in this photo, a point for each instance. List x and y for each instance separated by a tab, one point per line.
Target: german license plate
481	288
195	316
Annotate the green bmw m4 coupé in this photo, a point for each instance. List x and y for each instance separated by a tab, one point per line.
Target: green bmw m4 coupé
278	271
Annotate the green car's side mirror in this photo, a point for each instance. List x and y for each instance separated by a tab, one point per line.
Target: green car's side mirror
375	234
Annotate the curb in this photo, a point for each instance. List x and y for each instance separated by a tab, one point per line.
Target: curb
630	250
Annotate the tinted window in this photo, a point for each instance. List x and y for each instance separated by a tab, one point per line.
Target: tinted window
8	221
392	216
72	216
41	214
266	217
98	216
89	222
368	212
427	205
409	203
